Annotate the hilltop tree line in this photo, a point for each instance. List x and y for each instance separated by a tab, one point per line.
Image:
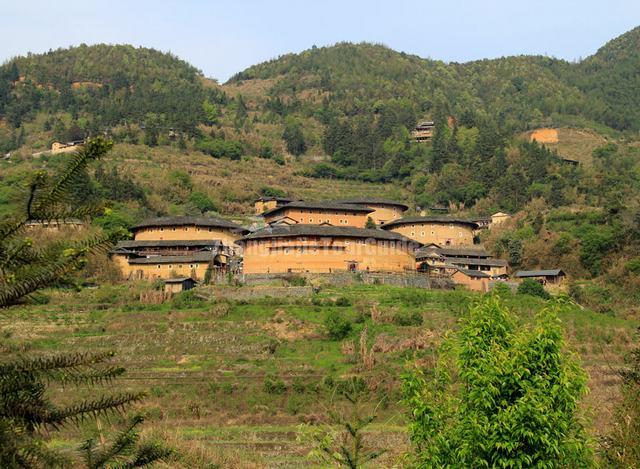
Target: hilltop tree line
108	85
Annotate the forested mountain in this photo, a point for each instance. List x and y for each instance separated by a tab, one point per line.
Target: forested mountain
106	85
611	81
519	92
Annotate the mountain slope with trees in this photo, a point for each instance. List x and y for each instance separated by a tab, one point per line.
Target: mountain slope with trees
336	119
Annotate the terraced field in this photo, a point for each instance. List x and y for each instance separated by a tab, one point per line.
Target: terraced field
232	381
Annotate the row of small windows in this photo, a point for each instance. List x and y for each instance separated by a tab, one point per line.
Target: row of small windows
413	233
273	244
327	212
170	266
311	220
451	226
186	228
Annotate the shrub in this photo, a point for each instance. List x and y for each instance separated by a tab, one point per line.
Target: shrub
267	191
296	281
221	148
576	293
408	319
343	301
274	385
266	151
298	385
633	266
337	326
533	288
186	299
502	290
353	385
202	202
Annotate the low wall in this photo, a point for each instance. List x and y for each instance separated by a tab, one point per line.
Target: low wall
414	280
253	292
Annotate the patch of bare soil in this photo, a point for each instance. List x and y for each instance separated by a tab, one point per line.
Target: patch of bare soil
544	136
286	327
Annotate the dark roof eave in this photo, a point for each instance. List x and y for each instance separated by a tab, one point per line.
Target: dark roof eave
287	231
375	201
409	220
188	221
318	206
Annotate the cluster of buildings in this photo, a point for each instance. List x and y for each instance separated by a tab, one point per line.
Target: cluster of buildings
296	236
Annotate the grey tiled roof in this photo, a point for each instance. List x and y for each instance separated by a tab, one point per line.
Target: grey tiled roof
188	221
489	262
376	201
407	220
474	273
319	206
539	273
167	243
196	257
282	231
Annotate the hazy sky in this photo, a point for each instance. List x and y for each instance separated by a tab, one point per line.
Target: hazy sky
224	37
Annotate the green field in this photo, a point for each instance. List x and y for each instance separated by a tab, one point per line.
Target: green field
235	379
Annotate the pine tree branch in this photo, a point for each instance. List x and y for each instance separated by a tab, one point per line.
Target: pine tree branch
78	412
45	275
122	443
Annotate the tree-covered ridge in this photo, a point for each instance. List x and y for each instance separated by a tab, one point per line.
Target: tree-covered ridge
611	81
521	92
96	64
107	84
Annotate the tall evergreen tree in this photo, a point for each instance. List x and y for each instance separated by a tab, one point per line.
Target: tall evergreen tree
294	138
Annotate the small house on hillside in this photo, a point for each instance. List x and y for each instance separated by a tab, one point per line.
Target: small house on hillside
570	162
65	147
262	204
423	131
550	276
179	284
499	217
474	280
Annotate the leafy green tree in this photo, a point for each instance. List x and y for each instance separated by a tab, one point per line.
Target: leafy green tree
211	112
202	202
370	224
514	250
499	396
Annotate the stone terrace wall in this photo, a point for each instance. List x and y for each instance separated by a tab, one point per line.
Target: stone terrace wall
349	278
253	292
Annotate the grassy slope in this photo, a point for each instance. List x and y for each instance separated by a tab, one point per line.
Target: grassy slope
204	364
575	144
235	184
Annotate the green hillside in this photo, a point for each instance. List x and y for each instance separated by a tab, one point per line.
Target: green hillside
610	80
103	85
335	121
